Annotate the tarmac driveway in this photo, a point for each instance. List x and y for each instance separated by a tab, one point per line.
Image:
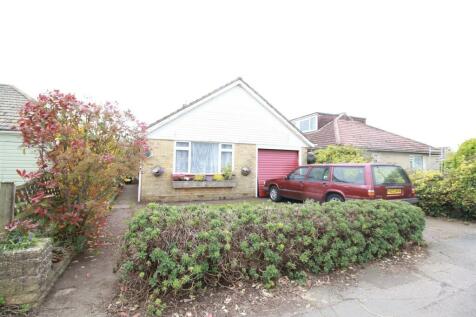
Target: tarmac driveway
443	283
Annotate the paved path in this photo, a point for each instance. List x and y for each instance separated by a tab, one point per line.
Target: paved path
442	284
87	286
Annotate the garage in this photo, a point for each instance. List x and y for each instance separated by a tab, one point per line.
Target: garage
274	164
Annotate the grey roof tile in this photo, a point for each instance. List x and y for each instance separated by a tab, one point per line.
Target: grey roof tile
11	102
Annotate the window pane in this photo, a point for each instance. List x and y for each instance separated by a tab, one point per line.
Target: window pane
304	125
226	160
300	173
313	123
389	175
349	175
182	144
419	162
416	162
204	157
181	161
319	174
226	146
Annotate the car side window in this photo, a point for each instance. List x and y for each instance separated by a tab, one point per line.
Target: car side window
319	174
349	175
299	173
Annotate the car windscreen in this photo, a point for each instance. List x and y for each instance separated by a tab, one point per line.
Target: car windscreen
389	175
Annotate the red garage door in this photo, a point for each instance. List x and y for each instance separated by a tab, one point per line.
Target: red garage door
274	164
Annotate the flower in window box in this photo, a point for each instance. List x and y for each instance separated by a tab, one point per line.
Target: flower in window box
218	177
178	177
199	178
209	178
227	172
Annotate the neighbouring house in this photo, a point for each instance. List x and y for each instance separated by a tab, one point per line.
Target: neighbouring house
231	127
314	121
324	129
12	155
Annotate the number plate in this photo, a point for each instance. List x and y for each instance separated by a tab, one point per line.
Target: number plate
394	191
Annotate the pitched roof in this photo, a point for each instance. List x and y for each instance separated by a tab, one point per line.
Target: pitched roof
235	82
334	115
324	118
11	102
343	130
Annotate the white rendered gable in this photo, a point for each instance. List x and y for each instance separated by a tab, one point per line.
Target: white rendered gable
234	115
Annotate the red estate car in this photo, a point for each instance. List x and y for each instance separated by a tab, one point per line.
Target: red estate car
339	182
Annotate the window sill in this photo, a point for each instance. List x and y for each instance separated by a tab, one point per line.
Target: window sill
203	184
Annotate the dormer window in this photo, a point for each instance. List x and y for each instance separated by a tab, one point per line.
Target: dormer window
307	124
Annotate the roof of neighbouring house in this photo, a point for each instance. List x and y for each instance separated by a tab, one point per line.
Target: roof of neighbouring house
327	114
345	131
11	102
237	81
324	118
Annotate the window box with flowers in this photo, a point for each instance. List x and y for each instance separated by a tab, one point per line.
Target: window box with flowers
203	165
203	181
204	184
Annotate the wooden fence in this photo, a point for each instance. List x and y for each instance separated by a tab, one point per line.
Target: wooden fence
7	203
14	200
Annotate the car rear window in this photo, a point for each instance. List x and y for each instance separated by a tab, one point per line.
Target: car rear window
389	175
349	175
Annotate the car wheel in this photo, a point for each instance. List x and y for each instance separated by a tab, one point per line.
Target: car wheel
274	194
335	197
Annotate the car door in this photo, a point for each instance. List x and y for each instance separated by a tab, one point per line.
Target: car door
315	185
293	186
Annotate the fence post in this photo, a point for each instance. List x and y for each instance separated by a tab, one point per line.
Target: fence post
7	203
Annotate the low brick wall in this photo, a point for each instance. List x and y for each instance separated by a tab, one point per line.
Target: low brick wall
24	274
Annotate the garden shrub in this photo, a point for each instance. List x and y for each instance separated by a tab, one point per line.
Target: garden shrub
448	195
462	189
180	249
19	234
340	154
453	192
84	151
466	152
432	192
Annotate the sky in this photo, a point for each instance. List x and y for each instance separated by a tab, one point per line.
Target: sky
409	67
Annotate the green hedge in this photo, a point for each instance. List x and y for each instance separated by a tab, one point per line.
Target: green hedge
176	249
432	193
452	194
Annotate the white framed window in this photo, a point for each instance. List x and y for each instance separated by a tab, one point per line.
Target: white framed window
202	157
226	156
307	124
416	162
